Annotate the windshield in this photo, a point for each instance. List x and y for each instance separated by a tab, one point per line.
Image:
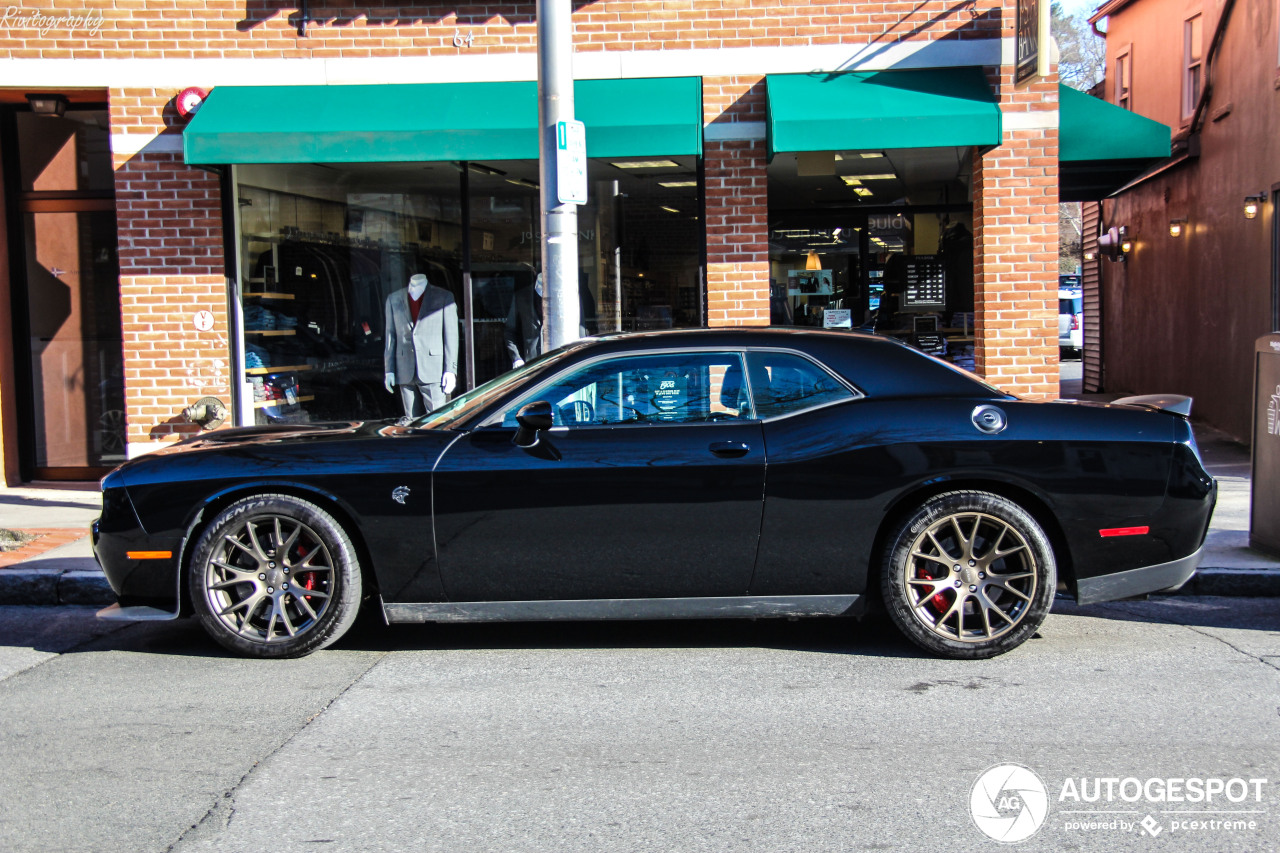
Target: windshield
478	398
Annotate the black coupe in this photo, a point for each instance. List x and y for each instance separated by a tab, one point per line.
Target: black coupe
680	474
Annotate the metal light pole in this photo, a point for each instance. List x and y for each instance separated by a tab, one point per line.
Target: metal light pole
561	305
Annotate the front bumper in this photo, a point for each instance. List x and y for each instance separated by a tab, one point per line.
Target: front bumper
1157	578
131	558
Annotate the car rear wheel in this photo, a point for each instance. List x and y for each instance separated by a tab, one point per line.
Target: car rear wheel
968	575
275	576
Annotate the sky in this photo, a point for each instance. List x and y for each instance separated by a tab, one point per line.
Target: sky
1077	6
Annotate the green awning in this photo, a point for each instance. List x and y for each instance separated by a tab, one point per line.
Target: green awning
925	108
1101	147
437	121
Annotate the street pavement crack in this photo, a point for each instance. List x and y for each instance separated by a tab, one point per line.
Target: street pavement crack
1170	620
223	810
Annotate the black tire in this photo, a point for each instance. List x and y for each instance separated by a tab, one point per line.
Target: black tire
250	565
968	575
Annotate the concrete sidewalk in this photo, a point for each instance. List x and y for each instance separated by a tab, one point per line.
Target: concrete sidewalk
62	574
68	574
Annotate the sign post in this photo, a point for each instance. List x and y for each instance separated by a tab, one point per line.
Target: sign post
562	172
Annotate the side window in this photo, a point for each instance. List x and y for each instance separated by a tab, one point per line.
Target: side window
677	387
782	384
1124	79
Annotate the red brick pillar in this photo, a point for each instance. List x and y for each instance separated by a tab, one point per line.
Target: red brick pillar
1015	226
737	203
169	219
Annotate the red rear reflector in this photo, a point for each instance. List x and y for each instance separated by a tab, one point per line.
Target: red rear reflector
1124	531
148	555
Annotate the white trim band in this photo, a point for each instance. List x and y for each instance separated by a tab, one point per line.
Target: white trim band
734	131
175	74
129	144
1033	120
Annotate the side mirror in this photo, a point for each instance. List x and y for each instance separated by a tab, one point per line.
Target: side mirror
533	419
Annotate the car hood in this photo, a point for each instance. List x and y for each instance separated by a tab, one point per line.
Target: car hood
284	435
275	433
277	451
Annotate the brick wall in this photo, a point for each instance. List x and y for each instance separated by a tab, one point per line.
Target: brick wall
737	205
1015	228
169	221
262	28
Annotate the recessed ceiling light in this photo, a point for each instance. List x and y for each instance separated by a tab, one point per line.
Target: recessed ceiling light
647	164
672	209
870	155
884	176
863	191
851	181
677	183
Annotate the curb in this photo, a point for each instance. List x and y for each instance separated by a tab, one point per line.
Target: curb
1238	583
51	588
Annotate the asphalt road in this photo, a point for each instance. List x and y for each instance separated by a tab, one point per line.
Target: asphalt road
818	735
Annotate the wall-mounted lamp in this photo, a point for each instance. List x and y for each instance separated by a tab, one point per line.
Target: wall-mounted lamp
47	105
1090	256
1252	204
1114	243
812	262
1176	226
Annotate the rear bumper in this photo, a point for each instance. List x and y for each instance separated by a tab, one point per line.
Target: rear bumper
1157	578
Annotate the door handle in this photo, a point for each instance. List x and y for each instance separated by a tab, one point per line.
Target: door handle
730	449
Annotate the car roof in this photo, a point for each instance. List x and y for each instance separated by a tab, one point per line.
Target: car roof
877	364
748	335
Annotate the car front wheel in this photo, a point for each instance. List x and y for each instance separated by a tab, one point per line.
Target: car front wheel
968	575
275	576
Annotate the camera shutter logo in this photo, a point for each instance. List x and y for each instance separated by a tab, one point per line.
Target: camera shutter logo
1009	803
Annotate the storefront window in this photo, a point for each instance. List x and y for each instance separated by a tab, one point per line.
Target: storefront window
323	248
875	240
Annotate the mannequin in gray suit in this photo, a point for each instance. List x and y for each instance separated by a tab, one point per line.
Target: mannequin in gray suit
421	355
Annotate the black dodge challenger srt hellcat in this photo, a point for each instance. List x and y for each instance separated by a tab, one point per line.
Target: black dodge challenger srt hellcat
665	475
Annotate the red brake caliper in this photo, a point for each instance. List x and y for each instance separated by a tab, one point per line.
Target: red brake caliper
307	579
938	600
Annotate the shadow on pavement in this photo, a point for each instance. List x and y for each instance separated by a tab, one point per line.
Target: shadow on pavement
1252	614
79	631
14	500
874	636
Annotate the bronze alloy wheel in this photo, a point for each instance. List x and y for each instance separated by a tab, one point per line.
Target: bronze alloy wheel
275	576
971	577
969	574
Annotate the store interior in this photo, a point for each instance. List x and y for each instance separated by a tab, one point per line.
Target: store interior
878	240
322	246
